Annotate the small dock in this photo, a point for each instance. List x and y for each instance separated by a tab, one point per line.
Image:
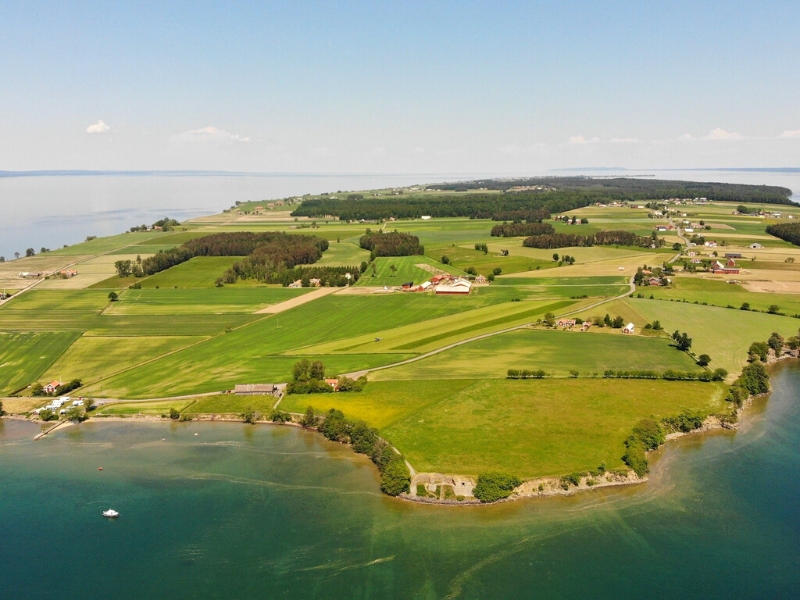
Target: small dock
49	430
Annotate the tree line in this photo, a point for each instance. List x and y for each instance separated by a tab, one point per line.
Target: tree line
522	229
395	476
601	238
789	232
631	189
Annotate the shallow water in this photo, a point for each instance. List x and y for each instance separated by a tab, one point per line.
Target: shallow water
275	512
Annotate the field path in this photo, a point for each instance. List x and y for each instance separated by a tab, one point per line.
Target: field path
357	374
300	300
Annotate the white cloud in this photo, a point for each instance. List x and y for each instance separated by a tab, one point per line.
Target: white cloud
685	137
210	134
616	140
721	134
98	127
579	139
790	133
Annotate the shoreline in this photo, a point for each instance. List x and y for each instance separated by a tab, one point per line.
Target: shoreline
538	487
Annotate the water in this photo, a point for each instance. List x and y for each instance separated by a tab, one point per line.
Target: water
49	211
240	512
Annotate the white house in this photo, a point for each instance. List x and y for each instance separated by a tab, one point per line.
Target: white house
425	217
628	328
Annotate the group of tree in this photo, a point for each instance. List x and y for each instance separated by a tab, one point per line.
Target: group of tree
395	475
37	389
522	229
789	232
492	487
601	238
165	224
526	374
309	377
647	435
682	340
393	243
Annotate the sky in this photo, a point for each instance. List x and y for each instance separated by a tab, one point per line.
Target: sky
399	87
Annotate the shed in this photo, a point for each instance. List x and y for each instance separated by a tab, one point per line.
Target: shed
254	389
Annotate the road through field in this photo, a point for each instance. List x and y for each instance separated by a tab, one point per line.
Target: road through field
294	302
356	374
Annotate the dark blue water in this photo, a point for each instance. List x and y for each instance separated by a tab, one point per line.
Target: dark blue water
269	512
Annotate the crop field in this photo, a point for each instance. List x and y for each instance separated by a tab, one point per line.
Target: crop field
556	352
230	299
434	333
92	358
24	357
102	245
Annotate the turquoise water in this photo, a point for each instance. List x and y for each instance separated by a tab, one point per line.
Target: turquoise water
269	512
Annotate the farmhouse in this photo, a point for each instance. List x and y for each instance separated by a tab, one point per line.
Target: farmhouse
334	383
628	328
458	286
729	267
255	389
565	323
756	246
67	273
51	387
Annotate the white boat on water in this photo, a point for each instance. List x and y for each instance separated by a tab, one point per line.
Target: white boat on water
110	513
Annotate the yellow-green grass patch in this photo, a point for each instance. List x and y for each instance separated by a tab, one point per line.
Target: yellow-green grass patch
555	352
153	408
343	254
406	271
199	272
231	404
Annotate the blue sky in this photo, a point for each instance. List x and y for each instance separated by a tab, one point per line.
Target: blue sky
414	87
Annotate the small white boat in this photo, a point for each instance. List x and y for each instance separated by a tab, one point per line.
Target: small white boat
110	513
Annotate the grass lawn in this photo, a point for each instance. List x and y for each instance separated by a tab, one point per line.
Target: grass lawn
557	352
90	358
539	427
199	272
343	254
25	356
407	270
231	404
229	299
463	257
155	408
723	334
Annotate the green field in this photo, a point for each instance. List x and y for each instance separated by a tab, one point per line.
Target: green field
229	299
531	428
199	272
24	357
556	352
91	358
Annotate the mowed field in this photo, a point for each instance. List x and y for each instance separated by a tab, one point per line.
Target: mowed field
530	428
556	352
229	299
24	357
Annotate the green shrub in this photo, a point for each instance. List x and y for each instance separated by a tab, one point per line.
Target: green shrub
280	416
396	478
686	421
650	433
636	456
495	486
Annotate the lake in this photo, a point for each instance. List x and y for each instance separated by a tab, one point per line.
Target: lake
238	511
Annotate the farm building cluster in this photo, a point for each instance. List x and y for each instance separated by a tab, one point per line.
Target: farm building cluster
443	283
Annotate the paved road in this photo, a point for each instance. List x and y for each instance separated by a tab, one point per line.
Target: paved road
357	374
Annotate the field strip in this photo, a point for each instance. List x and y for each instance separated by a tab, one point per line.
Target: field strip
294	302
358	374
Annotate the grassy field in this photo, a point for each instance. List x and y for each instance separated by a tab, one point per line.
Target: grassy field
556	352
229	299
463	257
24	357
343	254
91	358
407	270
199	272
